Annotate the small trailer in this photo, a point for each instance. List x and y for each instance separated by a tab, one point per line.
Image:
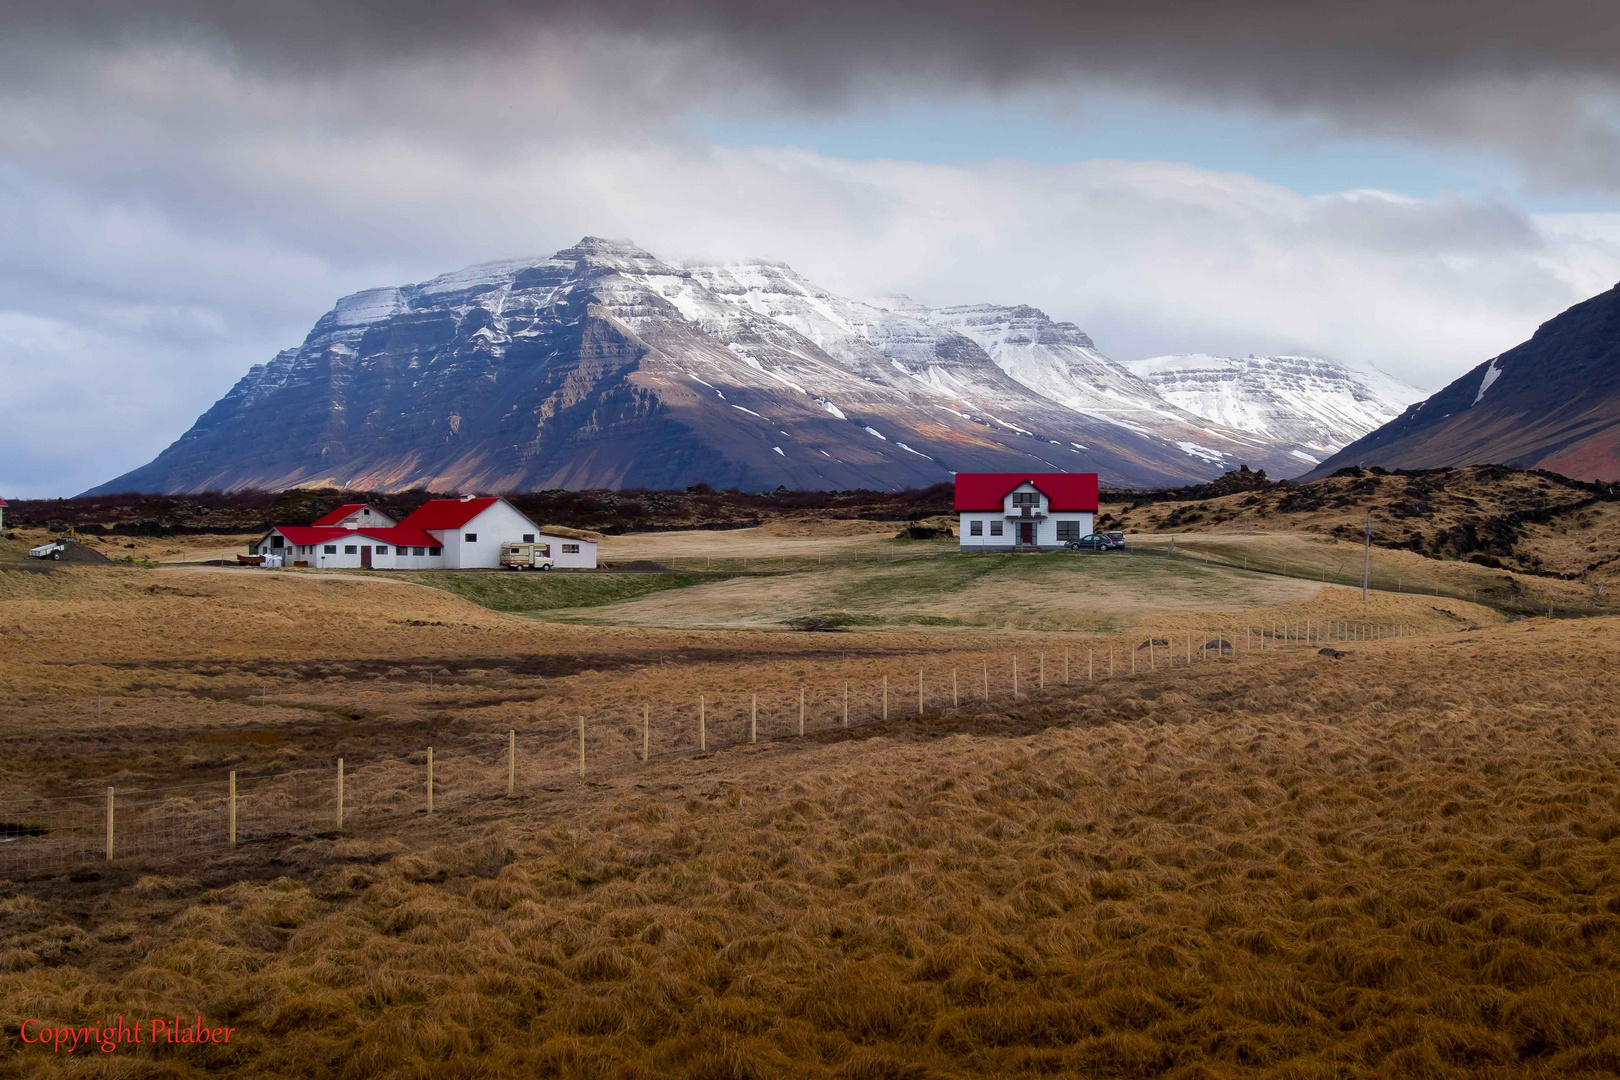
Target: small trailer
526	556
50	550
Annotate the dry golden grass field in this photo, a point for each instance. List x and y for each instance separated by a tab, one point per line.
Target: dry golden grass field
1395	862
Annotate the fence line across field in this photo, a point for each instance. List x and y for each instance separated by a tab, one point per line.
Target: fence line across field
155	822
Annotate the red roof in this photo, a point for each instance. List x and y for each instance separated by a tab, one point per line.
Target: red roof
447	513
397	535
338	515
1074	492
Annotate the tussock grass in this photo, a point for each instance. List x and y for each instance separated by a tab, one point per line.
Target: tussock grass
1399	864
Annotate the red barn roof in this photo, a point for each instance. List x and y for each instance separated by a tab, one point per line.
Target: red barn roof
447	513
337	515
1074	492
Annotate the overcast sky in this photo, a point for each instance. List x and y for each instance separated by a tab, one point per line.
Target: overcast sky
186	186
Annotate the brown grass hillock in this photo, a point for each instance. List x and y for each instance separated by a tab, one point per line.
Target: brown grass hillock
1400	863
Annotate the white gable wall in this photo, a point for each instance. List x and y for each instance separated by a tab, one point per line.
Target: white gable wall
499	523
367	517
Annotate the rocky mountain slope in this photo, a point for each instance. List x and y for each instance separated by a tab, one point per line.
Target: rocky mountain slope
1552	403
1311	406
604	366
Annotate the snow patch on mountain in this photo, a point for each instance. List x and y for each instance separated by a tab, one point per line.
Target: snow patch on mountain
1492	373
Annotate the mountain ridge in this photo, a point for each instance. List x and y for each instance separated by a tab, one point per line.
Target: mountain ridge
1552	402
604	366
1309	405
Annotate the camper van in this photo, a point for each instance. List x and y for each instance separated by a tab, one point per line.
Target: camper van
526	556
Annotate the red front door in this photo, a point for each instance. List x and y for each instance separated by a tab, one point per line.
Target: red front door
365	556
1026	532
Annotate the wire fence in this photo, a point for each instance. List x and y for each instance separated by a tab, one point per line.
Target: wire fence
235	811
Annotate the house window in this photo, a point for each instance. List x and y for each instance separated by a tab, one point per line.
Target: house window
995	528
1026	498
434	551
975	528
570	549
275	543
1068	530
349	549
382	549
528	538
471	538
331	549
419	551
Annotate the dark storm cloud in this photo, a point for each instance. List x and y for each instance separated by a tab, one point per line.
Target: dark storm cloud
1535	82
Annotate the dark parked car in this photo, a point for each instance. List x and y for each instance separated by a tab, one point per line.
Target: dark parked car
1093	542
1117	538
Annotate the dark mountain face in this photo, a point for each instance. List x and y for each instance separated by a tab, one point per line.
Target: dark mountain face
604	367
1550	403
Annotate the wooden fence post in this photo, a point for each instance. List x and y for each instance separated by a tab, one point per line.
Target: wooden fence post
1090	656
1189	648
1153	663
1065	665
430	779
340	795
646	731
753	718
1133	661
885	697
987	679
1041	675
1015	674
919	691
846	703
956	699
703	733
109	824
582	747
1110	659
801	712
511	762
233	808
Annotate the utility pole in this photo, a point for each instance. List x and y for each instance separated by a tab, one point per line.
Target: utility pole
1366	562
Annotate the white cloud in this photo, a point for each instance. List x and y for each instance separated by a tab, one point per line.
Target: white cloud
178	220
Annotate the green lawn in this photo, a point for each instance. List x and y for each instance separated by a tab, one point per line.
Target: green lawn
547	591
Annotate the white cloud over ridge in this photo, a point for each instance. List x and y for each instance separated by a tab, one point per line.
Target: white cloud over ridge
169	218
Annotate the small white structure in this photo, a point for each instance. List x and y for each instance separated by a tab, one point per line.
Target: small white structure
1024	511
450	534
570	551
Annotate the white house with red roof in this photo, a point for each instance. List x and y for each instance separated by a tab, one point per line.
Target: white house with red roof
1024	511
458	533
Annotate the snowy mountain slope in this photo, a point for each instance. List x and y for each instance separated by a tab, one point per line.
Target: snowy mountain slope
605	366
995	362
1309	405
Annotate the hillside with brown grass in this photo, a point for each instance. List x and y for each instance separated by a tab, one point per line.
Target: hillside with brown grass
1530	522
1396	862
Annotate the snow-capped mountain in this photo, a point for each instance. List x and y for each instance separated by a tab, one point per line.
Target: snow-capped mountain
606	366
1310	406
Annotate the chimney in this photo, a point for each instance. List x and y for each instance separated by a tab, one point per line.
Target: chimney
467	498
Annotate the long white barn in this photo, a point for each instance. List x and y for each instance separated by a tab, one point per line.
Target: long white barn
447	534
